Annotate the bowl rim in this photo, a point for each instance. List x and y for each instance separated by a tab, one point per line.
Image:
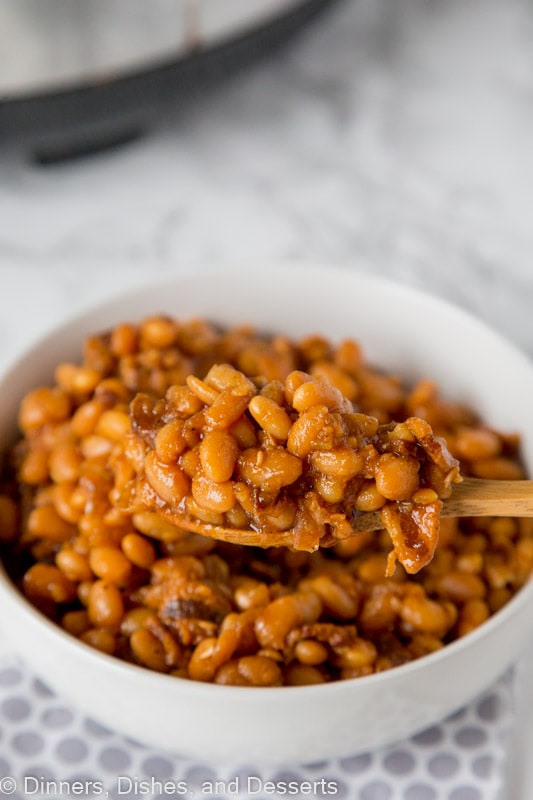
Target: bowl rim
93	307
83	315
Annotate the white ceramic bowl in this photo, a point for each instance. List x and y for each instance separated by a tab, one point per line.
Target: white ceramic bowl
404	331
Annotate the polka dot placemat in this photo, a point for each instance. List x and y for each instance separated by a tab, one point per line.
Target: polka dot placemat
50	750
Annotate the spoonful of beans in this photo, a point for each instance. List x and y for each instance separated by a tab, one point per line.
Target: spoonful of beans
292	464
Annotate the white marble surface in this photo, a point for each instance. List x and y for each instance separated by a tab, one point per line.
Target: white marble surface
394	136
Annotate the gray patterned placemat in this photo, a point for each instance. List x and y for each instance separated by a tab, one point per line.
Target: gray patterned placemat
48	749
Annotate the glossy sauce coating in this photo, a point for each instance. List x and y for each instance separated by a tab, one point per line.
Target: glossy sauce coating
315	464
133	585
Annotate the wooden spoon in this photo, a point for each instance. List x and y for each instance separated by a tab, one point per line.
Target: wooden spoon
473	497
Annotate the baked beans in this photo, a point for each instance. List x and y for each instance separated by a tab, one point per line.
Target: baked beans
245	430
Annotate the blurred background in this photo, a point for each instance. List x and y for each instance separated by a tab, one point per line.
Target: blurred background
391	136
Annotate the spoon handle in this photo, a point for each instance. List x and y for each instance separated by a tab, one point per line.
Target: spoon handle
473	497
476	497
